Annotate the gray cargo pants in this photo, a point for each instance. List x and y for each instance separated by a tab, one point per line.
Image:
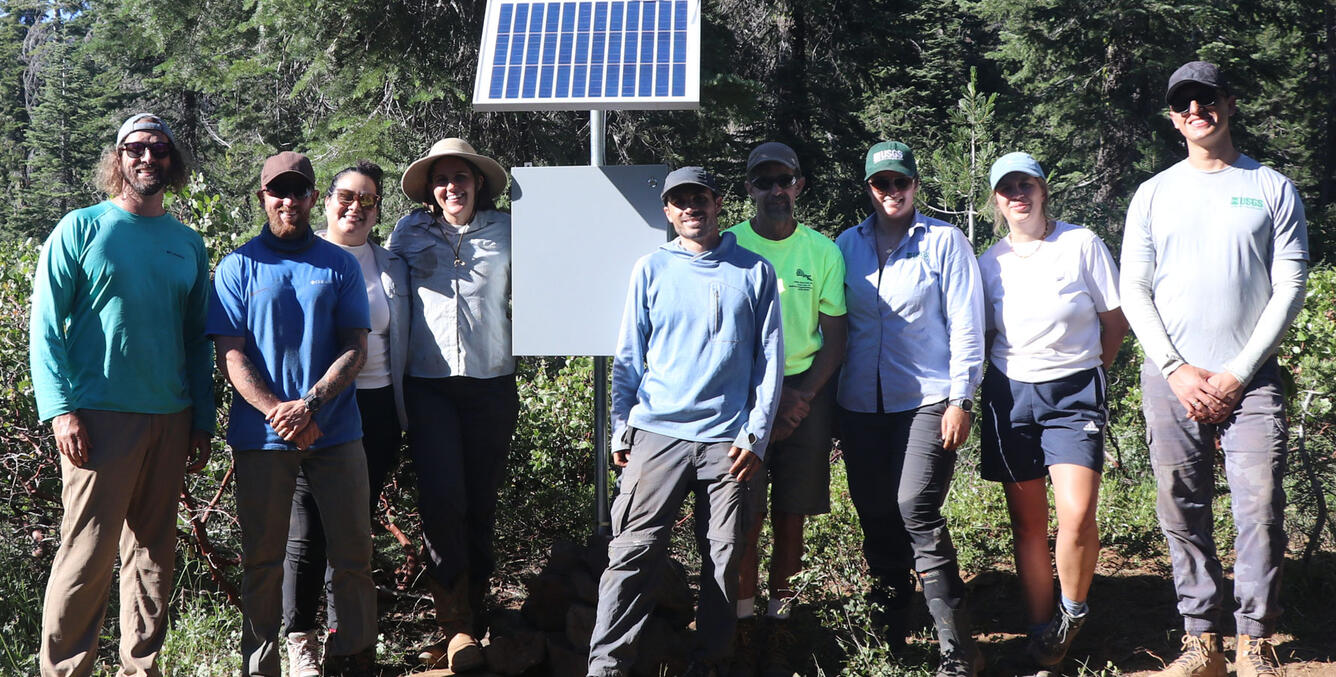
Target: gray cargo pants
1182	453
652	488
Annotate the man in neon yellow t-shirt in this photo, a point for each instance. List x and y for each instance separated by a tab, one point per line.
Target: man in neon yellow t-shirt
811	297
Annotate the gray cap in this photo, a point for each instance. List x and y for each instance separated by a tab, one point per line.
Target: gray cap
1196	72
143	122
689	176
773	151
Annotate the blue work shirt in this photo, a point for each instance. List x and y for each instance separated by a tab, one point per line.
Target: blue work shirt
915	324
289	299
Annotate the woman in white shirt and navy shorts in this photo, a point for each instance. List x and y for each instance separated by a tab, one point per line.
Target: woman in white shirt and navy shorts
1054	324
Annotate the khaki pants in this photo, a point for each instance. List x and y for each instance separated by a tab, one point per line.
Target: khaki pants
127	491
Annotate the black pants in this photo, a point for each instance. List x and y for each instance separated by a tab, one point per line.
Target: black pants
459	436
305	571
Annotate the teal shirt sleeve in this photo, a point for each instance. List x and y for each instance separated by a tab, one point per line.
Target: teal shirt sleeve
54	289
199	349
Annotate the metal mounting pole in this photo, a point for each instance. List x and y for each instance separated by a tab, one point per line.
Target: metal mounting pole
598	127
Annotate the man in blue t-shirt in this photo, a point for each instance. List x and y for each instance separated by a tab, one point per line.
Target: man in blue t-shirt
289	319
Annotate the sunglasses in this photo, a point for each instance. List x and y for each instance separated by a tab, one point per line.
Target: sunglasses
768	182
683	202
347	197
884	183
1182	100
158	149
285	192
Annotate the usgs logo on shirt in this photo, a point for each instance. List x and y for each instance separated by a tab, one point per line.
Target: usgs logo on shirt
1249	202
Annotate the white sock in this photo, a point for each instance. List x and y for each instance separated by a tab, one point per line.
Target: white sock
779	608
747	607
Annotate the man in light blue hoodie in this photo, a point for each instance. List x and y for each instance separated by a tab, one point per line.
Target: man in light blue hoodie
695	382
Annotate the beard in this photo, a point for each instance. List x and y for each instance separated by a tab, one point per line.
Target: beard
150	186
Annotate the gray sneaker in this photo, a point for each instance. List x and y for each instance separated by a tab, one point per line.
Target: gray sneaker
1049	647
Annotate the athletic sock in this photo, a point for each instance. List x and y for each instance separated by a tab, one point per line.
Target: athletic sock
1074	609
779	608
747	607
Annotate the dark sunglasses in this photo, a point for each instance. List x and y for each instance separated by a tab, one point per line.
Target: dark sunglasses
683	202
884	183
285	192
158	149
1182	100
347	197
768	182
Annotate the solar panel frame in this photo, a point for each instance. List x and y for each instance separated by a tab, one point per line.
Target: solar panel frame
589	55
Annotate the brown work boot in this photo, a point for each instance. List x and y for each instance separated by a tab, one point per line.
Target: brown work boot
779	642
458	650
1201	657
1256	657
744	649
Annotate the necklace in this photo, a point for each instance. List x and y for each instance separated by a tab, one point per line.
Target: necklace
459	260
1048	229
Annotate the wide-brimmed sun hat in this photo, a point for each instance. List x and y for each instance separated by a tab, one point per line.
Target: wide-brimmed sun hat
414	183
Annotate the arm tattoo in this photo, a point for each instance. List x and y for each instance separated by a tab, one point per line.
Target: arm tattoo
345	367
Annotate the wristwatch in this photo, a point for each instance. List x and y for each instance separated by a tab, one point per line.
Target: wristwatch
964	403
313	402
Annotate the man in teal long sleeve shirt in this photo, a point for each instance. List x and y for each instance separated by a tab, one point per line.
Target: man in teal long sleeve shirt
122	369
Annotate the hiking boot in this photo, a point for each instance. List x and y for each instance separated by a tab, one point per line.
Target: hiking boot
1201	657
960	655
1049	647
699	668
890	612
360	664
303	654
1256	657
778	645
744	649
458	650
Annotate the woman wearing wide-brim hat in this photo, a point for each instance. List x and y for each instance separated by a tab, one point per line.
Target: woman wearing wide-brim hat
459	387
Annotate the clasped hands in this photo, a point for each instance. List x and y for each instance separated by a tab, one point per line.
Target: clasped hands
293	422
1208	397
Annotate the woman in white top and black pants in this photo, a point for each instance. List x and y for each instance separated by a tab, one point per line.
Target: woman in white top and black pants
1053	326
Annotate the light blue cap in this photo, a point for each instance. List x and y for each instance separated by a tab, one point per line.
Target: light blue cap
143	122
1014	162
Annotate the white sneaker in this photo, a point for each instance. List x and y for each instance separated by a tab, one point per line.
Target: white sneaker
303	654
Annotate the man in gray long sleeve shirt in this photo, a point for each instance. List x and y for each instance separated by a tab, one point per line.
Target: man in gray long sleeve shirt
1213	268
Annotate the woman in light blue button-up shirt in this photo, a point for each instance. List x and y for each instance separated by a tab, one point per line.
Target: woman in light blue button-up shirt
913	362
459	389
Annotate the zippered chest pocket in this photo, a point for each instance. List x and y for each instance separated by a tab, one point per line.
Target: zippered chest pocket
726	313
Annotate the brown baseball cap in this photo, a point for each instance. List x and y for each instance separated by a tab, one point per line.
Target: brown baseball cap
284	163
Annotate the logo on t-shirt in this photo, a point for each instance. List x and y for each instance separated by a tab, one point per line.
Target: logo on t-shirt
802	280
1249	202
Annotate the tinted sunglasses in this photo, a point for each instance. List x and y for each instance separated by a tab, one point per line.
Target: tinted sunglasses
884	183
285	192
768	182
697	200
1182	100
158	149
347	197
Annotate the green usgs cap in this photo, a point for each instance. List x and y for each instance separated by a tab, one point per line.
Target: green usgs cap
890	156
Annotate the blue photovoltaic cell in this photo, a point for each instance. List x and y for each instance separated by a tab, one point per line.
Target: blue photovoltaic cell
590	49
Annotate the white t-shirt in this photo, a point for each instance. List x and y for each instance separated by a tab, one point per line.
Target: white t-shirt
376	373
1042	299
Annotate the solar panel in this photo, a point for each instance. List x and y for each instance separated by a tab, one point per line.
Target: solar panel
589	54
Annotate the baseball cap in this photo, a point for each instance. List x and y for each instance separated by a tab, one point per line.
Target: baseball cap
773	151
284	163
890	156
1014	162
143	122
689	176
1196	72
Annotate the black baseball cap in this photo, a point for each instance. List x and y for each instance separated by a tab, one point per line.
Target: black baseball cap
689	176
772	151
1199	73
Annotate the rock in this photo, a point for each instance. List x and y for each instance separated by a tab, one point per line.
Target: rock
596	554
672	596
565	660
549	597
661	649
565	556
515	653
580	623
584	586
